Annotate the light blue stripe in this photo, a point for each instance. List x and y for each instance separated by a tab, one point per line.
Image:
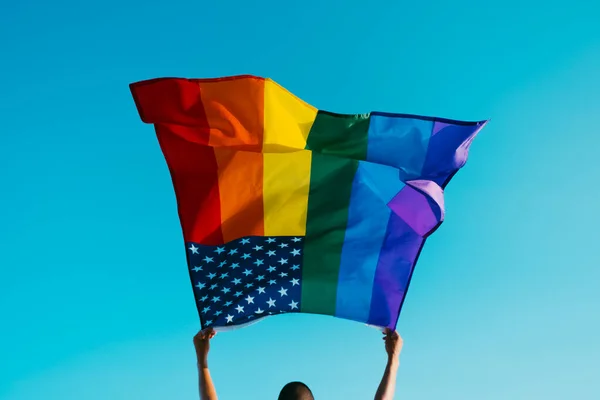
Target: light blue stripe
368	216
399	142
382	180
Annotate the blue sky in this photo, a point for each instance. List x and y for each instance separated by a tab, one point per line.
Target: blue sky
94	297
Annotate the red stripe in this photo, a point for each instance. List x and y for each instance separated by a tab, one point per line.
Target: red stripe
170	101
174	106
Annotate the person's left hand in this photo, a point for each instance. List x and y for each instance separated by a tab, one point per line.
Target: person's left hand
202	345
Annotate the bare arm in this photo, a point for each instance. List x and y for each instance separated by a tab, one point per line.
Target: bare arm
393	346
202	345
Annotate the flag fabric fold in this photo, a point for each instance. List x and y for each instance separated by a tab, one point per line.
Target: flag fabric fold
287	208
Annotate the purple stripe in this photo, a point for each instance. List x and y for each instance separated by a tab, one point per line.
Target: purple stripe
438	126
396	262
448	150
415	208
416	211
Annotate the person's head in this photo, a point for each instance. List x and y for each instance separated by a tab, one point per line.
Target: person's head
295	391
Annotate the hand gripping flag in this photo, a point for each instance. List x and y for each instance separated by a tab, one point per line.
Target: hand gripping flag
286	208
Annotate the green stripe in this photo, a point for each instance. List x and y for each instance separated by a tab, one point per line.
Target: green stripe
332	172
340	134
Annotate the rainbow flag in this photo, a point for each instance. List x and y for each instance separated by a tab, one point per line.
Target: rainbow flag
287	208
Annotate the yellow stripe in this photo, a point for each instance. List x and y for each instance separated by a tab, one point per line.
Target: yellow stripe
285	192
287	120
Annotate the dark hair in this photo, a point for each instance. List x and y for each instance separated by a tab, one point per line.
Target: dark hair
295	391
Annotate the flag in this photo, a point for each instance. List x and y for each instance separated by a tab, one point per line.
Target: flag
286	208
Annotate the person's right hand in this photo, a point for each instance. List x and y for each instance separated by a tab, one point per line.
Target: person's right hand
393	343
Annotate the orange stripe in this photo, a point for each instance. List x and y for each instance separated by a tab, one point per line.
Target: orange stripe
235	111
241	189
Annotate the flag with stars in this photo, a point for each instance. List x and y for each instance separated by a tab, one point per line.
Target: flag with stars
246	279
286	208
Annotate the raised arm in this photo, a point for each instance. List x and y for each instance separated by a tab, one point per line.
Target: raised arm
393	346
202	345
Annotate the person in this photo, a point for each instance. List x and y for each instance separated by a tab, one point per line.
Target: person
298	390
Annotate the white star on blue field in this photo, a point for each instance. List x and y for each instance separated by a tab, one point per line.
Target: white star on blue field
246	279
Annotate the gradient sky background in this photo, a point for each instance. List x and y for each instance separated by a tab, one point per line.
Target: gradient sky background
95	301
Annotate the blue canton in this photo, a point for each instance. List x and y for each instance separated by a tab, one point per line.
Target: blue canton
246	279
